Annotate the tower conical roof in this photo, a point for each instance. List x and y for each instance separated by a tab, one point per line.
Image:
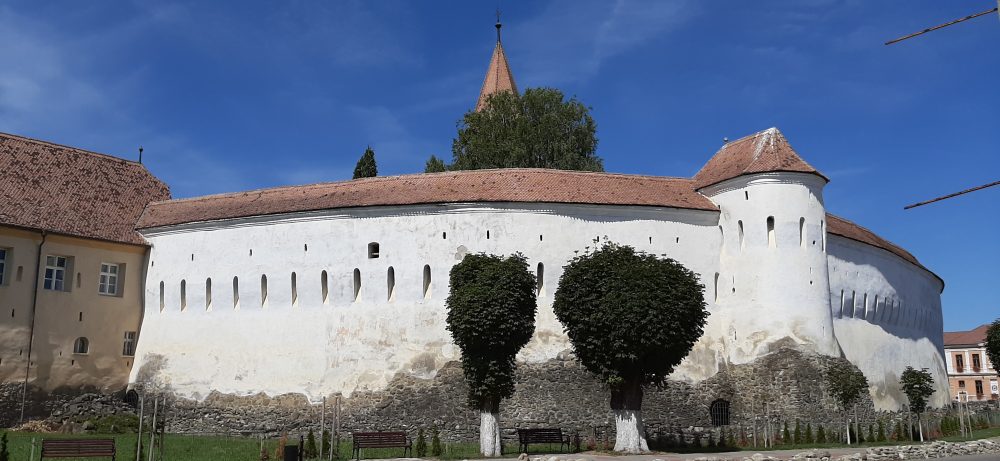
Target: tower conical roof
761	152
498	75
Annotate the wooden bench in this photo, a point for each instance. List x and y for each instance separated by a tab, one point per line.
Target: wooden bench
381	440
541	435
78	448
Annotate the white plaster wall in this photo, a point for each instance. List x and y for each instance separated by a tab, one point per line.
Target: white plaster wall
903	329
343	345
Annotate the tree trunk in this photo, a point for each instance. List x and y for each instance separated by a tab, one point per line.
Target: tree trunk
489	428
630	434
847	421
920	428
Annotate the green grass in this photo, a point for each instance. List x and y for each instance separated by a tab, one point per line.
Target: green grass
976	435
179	447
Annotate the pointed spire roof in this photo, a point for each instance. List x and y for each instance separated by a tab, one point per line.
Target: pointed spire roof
761	152
498	75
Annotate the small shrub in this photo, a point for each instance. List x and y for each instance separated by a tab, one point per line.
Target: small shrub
725	438
421	446
809	434
4	454
797	436
115	424
711	440
325	437
279	452
786	437
898	433
696	440
681	441
309	451
264	456
880	437
821	435
435	442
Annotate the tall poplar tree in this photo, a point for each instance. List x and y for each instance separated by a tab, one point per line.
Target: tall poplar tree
366	167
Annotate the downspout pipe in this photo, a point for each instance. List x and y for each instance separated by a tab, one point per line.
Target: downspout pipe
31	329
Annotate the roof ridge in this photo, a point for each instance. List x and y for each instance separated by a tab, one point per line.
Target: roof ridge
414	175
64	146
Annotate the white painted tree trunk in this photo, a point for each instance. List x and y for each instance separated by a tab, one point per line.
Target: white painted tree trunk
630	433
920	429
848	432
489	433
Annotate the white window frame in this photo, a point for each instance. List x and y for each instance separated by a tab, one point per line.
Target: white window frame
108	285
128	346
3	265
56	279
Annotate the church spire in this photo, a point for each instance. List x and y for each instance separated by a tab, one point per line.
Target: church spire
498	75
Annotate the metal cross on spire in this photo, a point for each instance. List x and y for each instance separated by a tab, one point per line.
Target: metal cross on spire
499	25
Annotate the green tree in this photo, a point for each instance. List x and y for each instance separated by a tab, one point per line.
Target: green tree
846	382
491	316
993	344
421	444
309	451
539	129
4	452
880	436
821	435
435	165
918	385
786	438
366	167
631	317
325	441
797	436
435	442
809	434
898	433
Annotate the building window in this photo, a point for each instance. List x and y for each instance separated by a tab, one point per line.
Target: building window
822	230
802	232
979	387
3	265
357	284
208	294
128	347
373	250
427	282
163	303
716	287
263	290
770	232
55	273
540	280
236	292
391	284
719	410
324	282
865	314
184	299
295	291
961	384
976	364
959	363
81	346
739	225
109	279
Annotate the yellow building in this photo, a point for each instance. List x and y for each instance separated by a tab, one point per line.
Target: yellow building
71	269
971	376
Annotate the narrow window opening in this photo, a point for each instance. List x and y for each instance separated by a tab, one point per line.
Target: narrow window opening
324	282
487	235
192	256
651	240
305	247
877	313
373	252
865	314
746	195
802	232
357	284
716	287
20	272
444	235
391	284
734	283
770	232
739	225
81	346
236	292
427	281
822	226
722	237
540	280
183	295
163	304
539	237
263	291
854	303
295	291
208	294
677	240
128	345
842	298
79	280
251	252
80	319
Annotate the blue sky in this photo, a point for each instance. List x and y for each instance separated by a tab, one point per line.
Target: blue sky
229	96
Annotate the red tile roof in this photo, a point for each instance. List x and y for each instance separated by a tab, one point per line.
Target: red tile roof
70	191
966	338
500	185
498	77
844	228
760	152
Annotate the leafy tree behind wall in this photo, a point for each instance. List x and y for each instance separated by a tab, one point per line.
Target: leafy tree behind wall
993	344
539	129
366	167
491	316
631	317
846	382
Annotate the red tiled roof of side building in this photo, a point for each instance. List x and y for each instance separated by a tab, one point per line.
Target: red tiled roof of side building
496	185
65	190
966	338
761	152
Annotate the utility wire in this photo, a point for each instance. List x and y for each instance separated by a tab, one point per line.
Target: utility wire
984	186
890	42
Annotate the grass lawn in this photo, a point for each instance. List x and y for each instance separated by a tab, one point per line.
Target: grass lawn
976	434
